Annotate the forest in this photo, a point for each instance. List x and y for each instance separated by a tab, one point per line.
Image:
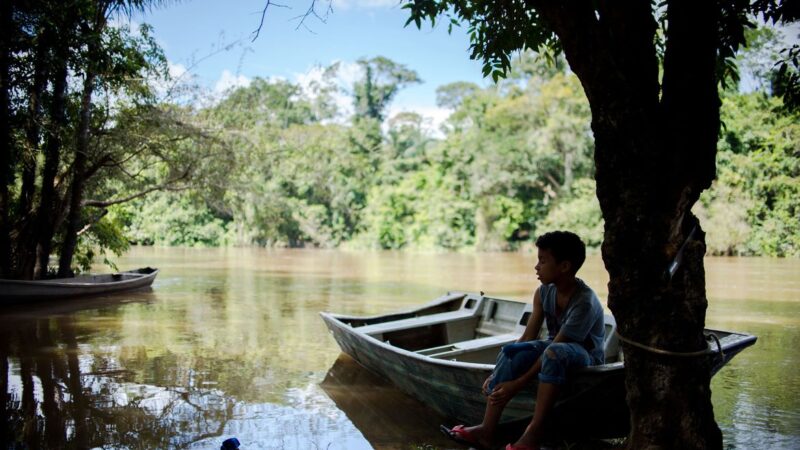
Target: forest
106	150
513	159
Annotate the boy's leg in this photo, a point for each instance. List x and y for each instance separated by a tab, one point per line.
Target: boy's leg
556	361
546	396
510	365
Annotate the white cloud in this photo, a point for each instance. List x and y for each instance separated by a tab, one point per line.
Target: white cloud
176	70
338	83
365	4
228	81
433	117
173	88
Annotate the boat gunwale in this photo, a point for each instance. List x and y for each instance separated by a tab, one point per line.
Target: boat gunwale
133	277
334	319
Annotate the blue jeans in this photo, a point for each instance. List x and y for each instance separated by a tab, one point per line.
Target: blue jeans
517	358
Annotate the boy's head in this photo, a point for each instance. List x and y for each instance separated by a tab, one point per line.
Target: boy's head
564	246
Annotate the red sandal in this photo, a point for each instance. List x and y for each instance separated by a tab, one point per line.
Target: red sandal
460	434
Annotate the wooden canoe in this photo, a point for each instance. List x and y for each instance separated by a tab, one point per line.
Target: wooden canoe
442	352
20	291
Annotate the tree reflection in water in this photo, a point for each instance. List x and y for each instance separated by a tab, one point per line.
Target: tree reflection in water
57	397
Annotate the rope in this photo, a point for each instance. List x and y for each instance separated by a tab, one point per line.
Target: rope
707	351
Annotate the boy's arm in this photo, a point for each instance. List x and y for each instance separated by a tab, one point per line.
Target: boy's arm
534	325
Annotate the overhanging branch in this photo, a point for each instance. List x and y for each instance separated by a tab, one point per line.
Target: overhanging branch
168	186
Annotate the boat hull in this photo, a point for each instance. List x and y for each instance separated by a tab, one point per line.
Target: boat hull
454	389
594	396
22	291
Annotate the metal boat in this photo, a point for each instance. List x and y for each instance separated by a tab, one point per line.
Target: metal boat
21	291
442	352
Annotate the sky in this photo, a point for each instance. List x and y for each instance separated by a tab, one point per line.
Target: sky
213	40
195	34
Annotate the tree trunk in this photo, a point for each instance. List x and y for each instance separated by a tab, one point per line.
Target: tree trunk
46	213
78	179
653	157
92	33
6	158
24	252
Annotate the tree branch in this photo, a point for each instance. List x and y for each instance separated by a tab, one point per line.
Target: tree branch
264	14
92	222
163	186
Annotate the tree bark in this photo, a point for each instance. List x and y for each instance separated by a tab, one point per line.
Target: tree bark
653	157
24	252
78	179
46	213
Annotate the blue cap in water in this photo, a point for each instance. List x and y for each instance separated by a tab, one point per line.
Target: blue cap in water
230	444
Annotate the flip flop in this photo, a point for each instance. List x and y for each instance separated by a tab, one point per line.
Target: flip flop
460	434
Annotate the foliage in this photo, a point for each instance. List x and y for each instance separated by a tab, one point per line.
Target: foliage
86	132
107	235
170	218
753	206
578	212
382	79
515	161
276	164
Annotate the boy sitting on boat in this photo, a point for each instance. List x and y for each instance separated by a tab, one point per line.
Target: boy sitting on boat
575	327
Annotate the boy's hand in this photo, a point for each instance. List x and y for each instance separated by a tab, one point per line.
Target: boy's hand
503	392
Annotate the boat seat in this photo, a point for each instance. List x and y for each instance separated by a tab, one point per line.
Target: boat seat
415	322
458	348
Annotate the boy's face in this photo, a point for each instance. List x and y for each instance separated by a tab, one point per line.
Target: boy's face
548	269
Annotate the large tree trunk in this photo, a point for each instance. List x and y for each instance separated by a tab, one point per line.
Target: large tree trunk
653	157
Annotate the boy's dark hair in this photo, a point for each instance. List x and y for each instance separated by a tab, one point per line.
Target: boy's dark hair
565	246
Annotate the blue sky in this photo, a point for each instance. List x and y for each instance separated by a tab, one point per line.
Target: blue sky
190	31
193	34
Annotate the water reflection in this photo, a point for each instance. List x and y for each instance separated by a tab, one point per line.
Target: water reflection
229	343
63	397
63	394
387	417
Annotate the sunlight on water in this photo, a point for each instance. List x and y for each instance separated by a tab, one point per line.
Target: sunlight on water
229	343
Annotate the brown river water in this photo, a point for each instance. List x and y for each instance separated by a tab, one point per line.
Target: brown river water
229	343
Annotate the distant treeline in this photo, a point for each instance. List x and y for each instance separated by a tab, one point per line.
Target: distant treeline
512	160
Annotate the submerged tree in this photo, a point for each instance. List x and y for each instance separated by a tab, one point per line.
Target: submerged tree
651	75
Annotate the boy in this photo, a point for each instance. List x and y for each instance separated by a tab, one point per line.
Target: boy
575	328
